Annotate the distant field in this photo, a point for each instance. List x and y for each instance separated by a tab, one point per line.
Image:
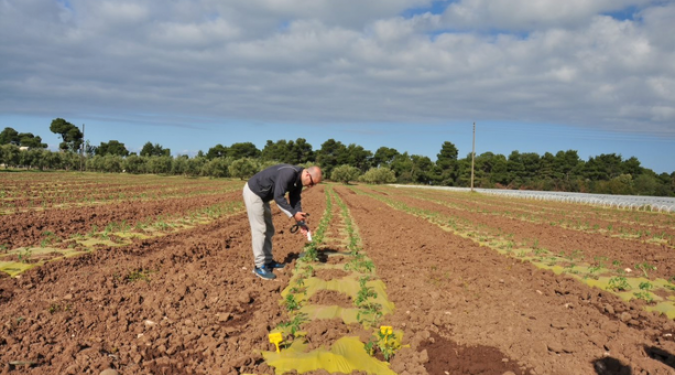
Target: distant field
150	274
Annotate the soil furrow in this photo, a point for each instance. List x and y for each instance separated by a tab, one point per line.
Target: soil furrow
449	286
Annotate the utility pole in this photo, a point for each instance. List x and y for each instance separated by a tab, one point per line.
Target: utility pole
473	154
82	150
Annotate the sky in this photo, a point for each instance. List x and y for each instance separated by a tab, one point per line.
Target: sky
596	76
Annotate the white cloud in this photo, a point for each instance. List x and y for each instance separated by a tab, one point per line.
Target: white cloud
343	61
526	15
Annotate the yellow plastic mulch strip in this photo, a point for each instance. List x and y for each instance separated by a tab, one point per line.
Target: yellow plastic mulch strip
13	268
347	285
348	315
345	356
661	305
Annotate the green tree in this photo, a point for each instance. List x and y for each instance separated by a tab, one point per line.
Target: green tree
566	165
154	150
159	164
135	164
358	157
71	135
531	166
302	152
217	151
516	168
384	156
331	154
243	150
345	173
30	140
217	168
9	136
631	166
403	165
112	147
243	168
446	164
277	151
194	166
378	176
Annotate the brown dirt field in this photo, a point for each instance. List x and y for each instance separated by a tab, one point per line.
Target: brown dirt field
27	228
472	296
556	239
577	217
187	303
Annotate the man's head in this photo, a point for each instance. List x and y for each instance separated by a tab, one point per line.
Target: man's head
311	176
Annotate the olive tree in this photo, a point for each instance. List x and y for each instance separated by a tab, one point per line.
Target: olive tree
378	176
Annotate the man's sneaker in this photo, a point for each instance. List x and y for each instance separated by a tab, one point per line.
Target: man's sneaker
264	273
274	264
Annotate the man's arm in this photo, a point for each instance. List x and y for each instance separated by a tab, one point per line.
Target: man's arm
285	178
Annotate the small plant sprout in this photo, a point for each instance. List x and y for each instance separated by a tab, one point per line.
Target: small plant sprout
294	325
644	267
646	286
619	284
291	303
645	296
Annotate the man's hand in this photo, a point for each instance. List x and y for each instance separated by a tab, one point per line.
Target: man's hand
299	216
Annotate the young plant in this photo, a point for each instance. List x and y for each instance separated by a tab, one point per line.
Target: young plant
645	296
365	292
139	275
644	267
369	314
291	303
619	284
294	325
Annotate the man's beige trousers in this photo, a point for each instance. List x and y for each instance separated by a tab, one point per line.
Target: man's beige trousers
262	228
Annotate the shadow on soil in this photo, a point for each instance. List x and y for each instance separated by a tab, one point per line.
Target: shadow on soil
661	356
446	356
611	366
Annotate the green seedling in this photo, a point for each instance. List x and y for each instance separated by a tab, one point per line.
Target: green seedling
365	292
386	341
24	255
92	231
139	275
646	286
618	284
291	303
645	296
294	324
369	313
644	267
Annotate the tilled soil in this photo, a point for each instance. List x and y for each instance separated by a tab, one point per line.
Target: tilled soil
472	296
557	240
187	303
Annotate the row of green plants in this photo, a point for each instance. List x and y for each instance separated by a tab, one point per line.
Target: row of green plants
369	312
569	222
44	202
573	263
115	232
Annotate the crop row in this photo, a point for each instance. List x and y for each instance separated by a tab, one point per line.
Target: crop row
357	282
631	276
571	219
96	195
115	234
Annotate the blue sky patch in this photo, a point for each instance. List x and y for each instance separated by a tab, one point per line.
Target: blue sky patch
436	7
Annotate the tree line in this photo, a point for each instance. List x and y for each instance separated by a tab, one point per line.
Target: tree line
562	171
